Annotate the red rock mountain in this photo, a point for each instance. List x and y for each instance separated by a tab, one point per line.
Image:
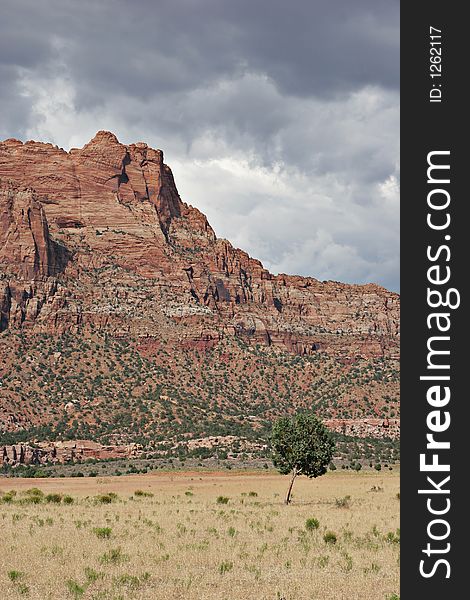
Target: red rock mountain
110	205
97	241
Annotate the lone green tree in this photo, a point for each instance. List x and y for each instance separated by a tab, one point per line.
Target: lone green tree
301	445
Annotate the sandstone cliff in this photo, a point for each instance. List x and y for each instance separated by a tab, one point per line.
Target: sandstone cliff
122	313
106	222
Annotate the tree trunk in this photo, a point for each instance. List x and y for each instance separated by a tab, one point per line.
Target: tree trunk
294	475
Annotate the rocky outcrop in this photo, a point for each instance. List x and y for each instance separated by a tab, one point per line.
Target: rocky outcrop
363	428
106	230
42	453
26	248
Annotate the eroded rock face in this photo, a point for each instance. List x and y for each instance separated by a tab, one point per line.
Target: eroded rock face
42	453
363	428
26	248
104	240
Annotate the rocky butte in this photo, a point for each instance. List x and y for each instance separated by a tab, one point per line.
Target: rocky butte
96	244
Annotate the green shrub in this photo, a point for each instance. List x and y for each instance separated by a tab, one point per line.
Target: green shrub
225	567
312	524
23	589
7	498
15	575
92	575
54	498
34	492
67	499
252	494
222	500
31	500
102	532
393	537
106	498
75	589
142	494
113	557
330	537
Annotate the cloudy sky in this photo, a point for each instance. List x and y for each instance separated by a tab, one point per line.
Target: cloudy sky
280	120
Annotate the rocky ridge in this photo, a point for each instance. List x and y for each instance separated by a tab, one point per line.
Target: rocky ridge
98	241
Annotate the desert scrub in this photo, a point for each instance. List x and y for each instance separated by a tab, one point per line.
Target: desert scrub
225	567
113	557
102	532
344	502
330	537
8	497
92	575
270	548
106	498
222	500
142	494
54	498
393	537
312	524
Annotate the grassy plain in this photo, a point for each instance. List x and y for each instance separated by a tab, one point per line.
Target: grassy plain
179	538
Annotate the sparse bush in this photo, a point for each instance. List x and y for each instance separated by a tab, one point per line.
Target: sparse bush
344	502
222	500
75	589
8	498
102	532
54	498
225	567
113	557
106	498
92	575
330	537
15	575
252	494
67	499
34	492
31	500
142	494
393	537
312	524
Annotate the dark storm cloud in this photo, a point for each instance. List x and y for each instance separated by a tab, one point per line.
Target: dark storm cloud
148	47
295	96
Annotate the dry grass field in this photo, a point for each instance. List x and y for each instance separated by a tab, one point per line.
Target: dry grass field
201	536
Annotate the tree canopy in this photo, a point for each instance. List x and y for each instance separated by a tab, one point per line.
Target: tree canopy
301	445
